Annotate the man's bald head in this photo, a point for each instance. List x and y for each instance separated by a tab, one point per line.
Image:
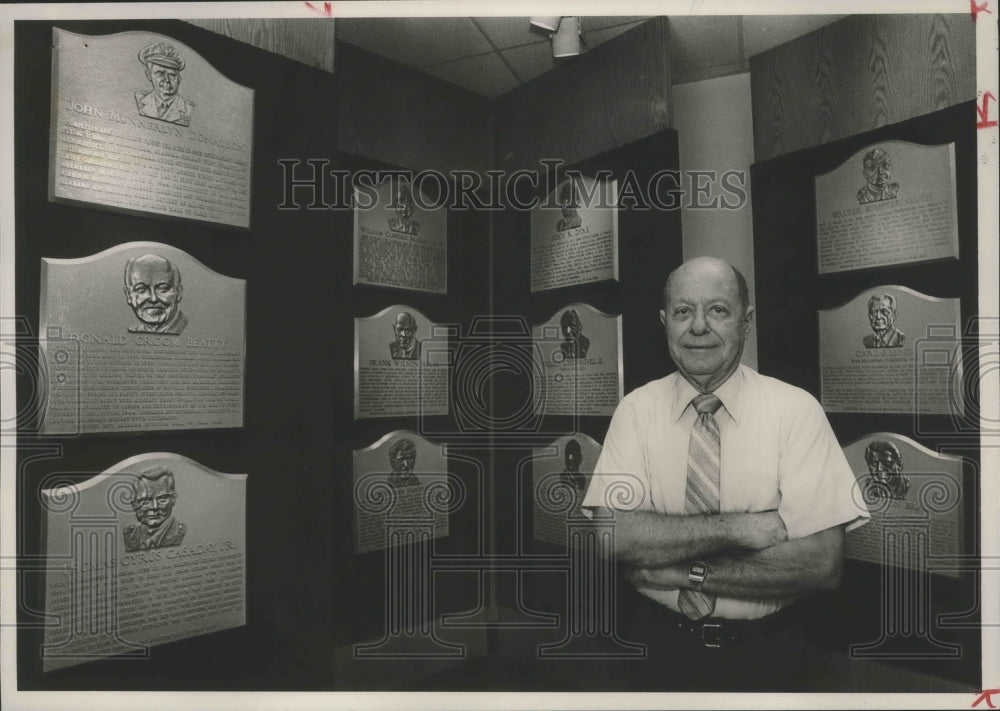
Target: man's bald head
153	289
709	265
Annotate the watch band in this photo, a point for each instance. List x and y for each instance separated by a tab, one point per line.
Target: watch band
697	572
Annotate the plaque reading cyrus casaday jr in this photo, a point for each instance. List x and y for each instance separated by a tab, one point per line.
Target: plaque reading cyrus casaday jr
911	492
401	364
560	477
153	550
141	337
574	234
580	358
891	349
401	493
400	238
890	203
141	123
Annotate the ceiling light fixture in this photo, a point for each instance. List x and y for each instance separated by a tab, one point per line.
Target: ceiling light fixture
550	24
566	40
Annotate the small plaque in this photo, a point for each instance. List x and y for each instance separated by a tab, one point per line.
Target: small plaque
401	492
141	123
890	203
914	496
892	350
401	364
153	550
400	238
560	477
574	235
580	352
140	337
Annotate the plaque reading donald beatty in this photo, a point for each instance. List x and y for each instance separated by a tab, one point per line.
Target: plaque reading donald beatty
153	550
141	123
560	477
140	337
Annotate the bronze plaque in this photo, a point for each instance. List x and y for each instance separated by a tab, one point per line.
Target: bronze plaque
893	350
141	123
560	477
140	337
400	238
580	361
574	234
890	203
401	492
401	364
153	550
914	497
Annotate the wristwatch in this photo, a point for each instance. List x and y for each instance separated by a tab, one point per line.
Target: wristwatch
697	574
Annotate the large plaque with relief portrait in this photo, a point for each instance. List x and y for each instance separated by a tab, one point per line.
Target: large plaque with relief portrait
140	337
560	477
914	496
401	492
400	237
401	364
574	234
894	350
890	203
141	123
579	361
150	551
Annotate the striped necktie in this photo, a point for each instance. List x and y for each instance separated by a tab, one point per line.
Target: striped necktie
702	493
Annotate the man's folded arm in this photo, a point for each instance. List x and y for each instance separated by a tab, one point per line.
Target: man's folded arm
653	540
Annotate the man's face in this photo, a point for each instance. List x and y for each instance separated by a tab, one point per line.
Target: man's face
882	464
166	81
881	315
877	171
403	461
572	329
153	292
405	329
154	502
572	460
705	323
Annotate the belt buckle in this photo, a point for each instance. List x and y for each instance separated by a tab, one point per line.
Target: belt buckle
711	639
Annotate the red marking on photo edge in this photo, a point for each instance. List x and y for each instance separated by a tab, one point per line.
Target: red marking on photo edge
986	695
984	112
976	9
326	10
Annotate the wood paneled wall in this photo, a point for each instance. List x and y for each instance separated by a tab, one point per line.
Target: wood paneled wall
308	40
857	74
612	95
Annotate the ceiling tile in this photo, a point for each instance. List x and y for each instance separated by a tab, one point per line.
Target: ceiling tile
414	41
530	60
510	31
762	32
486	74
703	41
598	37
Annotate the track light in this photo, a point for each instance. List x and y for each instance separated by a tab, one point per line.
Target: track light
566	40
550	24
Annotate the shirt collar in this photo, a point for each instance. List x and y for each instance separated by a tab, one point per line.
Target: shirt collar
730	393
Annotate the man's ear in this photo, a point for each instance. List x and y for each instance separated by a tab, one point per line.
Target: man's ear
663	317
748	318
180	292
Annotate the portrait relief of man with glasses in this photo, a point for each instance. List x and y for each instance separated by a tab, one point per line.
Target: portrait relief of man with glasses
153	502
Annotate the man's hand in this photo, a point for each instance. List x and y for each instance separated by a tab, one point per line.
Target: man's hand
764	530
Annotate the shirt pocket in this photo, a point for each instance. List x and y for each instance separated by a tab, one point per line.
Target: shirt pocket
750	471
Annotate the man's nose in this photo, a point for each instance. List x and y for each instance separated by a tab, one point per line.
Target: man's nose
699	324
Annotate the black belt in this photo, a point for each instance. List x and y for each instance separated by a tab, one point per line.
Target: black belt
716	632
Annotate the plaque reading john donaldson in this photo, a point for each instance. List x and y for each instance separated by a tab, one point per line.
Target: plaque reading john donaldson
400	238
401	364
140	337
914	496
141	123
153	550
574	235
401	492
580	361
892	350
560	477
890	203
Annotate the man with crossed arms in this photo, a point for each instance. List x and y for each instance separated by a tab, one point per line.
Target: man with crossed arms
730	496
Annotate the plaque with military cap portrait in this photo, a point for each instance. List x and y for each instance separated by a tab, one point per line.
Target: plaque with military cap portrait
140	337
892	349
560	475
151	550
891	202
401	364
142	123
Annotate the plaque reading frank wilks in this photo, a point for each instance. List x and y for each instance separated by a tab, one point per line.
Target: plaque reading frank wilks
579	352
890	203
141	123
560	477
893	350
152	550
140	337
401	364
401	492
574	234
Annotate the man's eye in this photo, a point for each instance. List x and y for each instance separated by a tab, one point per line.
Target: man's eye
682	311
